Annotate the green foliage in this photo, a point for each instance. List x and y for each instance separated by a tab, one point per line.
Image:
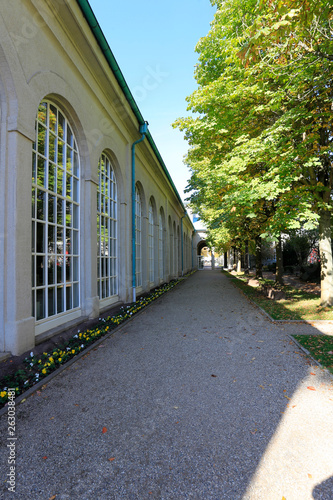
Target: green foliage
297	247
261	131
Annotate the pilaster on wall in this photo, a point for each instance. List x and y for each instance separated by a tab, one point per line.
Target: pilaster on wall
90	301
145	254
19	325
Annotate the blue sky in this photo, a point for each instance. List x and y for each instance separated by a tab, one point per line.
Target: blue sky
153	43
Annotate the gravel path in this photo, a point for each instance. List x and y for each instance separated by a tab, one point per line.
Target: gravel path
198	397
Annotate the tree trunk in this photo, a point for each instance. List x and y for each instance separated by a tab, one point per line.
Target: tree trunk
279	262
239	262
258	257
325	251
246	259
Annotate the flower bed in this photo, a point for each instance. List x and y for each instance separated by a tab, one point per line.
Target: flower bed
39	366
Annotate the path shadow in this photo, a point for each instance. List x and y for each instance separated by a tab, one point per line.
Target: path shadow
323	490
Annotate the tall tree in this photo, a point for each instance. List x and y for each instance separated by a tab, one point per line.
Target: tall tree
262	130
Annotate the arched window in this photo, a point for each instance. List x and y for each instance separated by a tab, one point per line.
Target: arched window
138	234
55	215
107	279
151	241
175	253
160	247
170	248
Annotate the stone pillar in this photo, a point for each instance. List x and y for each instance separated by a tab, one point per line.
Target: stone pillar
19	325
89	295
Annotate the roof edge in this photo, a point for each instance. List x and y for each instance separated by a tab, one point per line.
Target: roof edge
108	54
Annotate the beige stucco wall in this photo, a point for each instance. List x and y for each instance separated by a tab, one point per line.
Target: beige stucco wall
48	51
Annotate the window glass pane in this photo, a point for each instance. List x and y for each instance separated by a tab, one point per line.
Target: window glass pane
60	274
52	207
40	271
34	161
69	136
60	240
75	189
51	241
75	242
61	146
40	304
51	267
68	241
40	237
53	118
41	165
60	179
42	144
76	165
68	268
51	301
60	212
42	112
41	212
69	214
75	216
68	297
69	160
76	295
52	147
33	236
33	204
60	299
52	174
61	125
75	269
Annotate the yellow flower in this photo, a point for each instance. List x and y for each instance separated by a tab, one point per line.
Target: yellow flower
59	359
3	394
44	370
51	360
73	351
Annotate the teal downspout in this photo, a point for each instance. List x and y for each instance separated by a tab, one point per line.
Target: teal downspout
143	131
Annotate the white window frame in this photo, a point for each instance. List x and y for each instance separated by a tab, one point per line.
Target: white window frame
138	238
107	264
151	241
55	219
160	248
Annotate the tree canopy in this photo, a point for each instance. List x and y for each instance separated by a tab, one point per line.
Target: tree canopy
260	134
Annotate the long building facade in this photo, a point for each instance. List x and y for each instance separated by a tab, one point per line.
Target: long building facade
71	139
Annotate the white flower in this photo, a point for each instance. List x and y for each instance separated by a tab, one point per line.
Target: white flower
32	354
75	336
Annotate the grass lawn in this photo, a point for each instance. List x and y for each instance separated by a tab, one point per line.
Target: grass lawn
320	347
298	305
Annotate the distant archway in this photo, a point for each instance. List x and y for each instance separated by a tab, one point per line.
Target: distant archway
202	244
